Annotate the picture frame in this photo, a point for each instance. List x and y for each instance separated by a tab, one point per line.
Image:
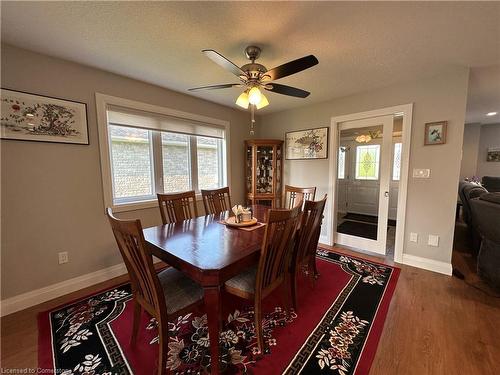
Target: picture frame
493	154
37	118
435	133
307	144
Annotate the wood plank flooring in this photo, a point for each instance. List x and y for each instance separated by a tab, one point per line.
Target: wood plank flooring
436	325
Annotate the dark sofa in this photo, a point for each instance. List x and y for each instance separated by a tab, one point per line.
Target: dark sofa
486	218
468	191
492	184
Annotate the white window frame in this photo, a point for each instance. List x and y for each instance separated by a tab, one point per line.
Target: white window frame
103	102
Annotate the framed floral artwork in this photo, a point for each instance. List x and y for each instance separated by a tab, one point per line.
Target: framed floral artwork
31	117
307	144
435	133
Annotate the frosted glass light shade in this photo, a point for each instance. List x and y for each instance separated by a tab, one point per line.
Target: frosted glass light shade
263	102
242	100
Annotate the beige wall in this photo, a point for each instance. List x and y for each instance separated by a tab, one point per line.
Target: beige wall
470	149
490	137
431	202
52	197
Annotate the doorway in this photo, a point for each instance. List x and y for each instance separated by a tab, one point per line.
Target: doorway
368	174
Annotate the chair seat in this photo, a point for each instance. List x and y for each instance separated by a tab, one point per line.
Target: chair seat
244	281
179	290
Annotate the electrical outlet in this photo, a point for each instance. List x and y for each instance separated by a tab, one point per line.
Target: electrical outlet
413	237
63	257
433	240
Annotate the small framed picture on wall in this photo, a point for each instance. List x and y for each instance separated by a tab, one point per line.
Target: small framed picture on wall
435	133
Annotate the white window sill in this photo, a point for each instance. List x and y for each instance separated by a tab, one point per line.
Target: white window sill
141	205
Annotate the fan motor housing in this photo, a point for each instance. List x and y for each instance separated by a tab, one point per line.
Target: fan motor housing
254	70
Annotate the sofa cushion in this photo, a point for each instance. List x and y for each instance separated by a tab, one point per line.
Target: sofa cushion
491	197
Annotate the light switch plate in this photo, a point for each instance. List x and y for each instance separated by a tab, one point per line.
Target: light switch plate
413	237
421	173
433	240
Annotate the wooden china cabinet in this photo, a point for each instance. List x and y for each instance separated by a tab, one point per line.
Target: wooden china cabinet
264	171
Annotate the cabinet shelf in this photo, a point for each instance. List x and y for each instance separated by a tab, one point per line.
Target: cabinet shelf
264	171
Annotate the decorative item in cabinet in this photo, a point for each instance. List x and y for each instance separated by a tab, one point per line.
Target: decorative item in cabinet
264	171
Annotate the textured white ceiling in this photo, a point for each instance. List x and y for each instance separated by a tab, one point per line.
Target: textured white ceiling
360	45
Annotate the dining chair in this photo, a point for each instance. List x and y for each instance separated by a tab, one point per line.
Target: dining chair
216	201
259	281
294	194
304	256
164	295
177	206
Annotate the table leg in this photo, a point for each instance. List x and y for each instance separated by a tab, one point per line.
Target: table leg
213	307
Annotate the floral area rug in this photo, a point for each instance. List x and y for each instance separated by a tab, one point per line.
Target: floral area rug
335	330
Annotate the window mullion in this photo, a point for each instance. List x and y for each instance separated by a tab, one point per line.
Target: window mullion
194	163
157	162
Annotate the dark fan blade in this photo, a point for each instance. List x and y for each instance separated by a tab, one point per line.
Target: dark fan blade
292	67
287	90
217	58
214	87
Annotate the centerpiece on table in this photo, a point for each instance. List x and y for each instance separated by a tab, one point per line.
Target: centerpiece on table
243	217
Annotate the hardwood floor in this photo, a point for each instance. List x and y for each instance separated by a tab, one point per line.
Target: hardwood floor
436	325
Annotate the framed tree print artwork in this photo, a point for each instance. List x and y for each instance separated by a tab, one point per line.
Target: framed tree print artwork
435	133
30	117
307	144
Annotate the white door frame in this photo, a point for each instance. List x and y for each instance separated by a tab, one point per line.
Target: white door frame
379	244
407	111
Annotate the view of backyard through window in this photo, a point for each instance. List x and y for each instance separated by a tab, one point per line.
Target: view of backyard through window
188	162
131	161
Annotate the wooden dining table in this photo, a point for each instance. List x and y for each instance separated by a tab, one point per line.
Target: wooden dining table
210	253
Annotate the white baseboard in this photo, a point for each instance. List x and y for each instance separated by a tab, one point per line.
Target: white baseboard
35	297
427	264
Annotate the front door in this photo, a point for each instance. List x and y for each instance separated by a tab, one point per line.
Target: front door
363	183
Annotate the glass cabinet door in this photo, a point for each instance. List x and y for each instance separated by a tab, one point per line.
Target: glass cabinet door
249	169
278	169
264	171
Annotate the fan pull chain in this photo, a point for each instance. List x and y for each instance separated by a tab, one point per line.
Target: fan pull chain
252	124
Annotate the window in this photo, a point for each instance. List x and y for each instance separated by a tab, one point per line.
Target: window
209	162
367	162
176	162
341	163
396	164
131	162
152	153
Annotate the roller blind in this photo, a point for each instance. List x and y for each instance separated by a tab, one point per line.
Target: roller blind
160	122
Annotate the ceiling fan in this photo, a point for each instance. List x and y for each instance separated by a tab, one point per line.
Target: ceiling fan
254	77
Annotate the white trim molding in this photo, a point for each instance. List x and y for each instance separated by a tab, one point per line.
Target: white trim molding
406	110
427	264
37	296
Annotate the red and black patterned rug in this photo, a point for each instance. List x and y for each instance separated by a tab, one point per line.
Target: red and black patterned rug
335	330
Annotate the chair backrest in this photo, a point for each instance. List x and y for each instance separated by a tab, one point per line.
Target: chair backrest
295	194
177	207
277	249
139	263
216	201
491	183
310	229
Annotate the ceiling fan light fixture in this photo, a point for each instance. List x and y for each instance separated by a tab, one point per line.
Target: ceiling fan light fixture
263	102
242	100
254	95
